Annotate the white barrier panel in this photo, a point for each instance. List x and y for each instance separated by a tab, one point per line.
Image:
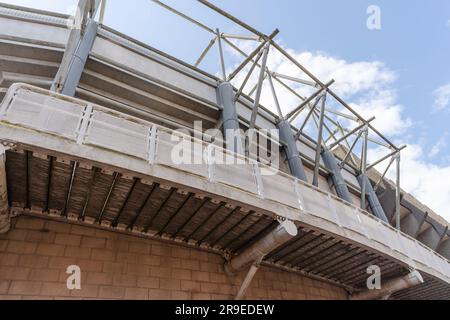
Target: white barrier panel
43	113
350	218
280	188
165	155
118	134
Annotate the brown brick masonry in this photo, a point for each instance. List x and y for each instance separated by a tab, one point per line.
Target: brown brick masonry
35	254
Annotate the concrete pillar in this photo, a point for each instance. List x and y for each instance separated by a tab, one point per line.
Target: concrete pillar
5	221
336	175
231	128
375	205
444	249
67	83
292	153
387	200
410	225
430	238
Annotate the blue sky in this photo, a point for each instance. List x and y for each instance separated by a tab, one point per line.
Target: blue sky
400	73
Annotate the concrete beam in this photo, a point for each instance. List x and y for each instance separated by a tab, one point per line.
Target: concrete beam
414	278
5	219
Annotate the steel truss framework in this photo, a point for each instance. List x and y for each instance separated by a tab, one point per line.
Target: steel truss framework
324	109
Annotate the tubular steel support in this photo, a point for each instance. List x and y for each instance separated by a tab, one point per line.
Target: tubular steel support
225	94
397	192
249	74
275	97
310	113
259	87
249	57
101	18
364	180
308	100
292	153
319	142
412	279
248	280
336	175
221	57
334	144
377	185
67	80
260	249
367	191
205	51
375	204
393	153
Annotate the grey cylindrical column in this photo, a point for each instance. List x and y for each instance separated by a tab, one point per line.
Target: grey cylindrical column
79	59
261	248
225	97
292	153
336	175
375	204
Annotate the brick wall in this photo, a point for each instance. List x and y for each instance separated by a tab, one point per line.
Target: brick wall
35	254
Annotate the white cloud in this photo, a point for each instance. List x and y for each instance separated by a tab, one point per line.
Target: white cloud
442	97
383	105
369	87
439	146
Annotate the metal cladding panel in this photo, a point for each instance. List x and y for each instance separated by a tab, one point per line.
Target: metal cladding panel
237	175
280	188
179	152
147	63
42	112
118	134
350	218
412	249
317	205
374	229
